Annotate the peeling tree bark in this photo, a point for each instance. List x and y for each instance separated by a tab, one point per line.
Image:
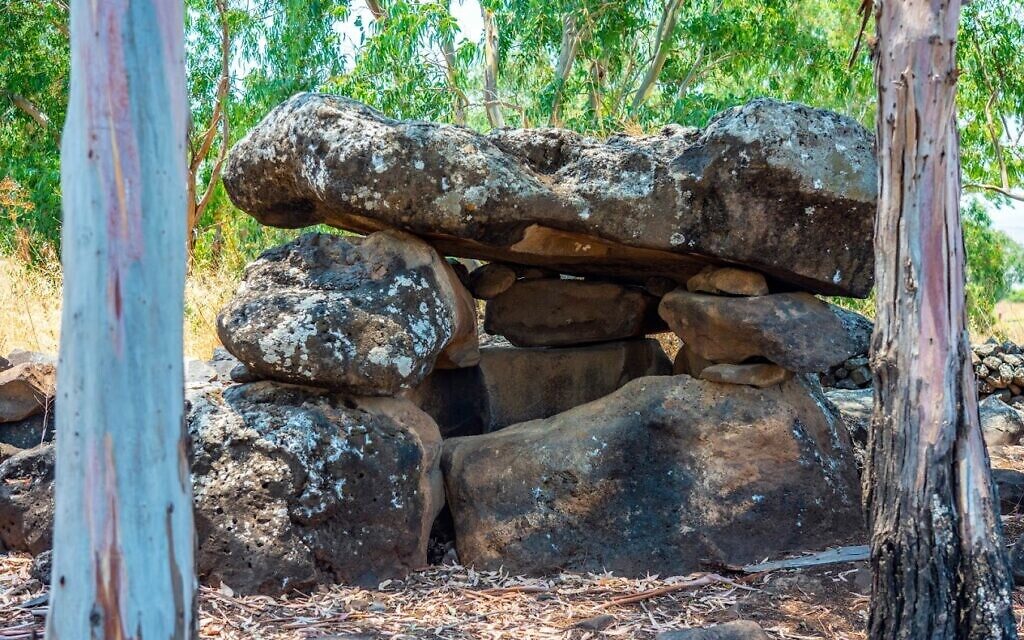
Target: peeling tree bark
123	535
939	565
492	105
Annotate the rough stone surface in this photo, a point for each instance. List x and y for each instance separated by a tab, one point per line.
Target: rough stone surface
539	313
728	280
754	375
794	330
368	316
512	384
856	406
26	500
296	486
780	187
660	476
689	362
1001	424
30	432
734	630
25	390
491	279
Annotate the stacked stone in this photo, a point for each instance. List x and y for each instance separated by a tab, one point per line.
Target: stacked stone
852	374
999	370
564	443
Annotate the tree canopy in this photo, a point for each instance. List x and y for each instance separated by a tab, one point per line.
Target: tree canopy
591	65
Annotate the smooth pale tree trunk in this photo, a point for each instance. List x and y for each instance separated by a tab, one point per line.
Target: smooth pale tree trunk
492	104
123	539
566	58
662	47
938	561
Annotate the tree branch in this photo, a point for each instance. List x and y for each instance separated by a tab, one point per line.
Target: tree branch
566	56
27	107
491	102
662	45
1013	195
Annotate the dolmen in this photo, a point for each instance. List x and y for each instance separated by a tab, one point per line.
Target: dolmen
485	329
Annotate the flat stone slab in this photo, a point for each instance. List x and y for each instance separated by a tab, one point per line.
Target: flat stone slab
554	313
794	330
778	187
512	384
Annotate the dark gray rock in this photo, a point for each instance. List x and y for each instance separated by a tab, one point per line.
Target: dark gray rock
296	486
367	316
658	477
512	384
556	313
1001	424
26	500
794	330
42	567
29	432
778	187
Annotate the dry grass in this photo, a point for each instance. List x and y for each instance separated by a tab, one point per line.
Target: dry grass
1010	321
30	307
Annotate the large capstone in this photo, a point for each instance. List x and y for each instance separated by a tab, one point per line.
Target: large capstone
368	316
513	384
296	486
779	187
662	476
794	330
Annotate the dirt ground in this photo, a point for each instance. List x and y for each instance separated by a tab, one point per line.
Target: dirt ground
455	602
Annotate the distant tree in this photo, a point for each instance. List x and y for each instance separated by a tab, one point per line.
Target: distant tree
939	566
123	534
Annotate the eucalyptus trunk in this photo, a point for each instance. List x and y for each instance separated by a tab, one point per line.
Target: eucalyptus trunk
123	536
939	565
492	105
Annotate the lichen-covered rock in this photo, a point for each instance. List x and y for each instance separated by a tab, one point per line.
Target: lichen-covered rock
555	313
1001	424
794	330
513	384
368	316
296	486
25	390
26	500
658	477
780	187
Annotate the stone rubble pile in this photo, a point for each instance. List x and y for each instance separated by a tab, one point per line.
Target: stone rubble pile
999	369
365	399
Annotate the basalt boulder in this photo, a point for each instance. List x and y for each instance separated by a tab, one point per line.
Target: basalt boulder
782	188
25	390
542	313
662	476
794	330
367	316
26	500
296	486
512	384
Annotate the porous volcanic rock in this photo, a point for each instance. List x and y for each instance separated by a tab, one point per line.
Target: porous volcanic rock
296	486
26	500
542	313
513	384
733	630
368	316
25	390
658	477
794	330
780	187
